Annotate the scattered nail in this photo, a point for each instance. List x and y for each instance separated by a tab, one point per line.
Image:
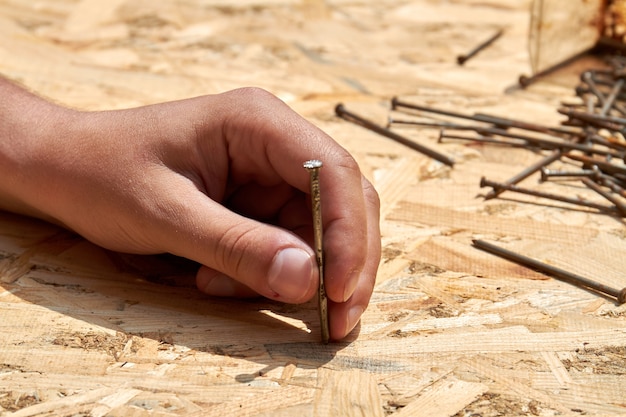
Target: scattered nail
462	59
552	271
521	190
341	111
525	173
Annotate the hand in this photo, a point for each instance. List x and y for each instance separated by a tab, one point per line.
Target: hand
217	179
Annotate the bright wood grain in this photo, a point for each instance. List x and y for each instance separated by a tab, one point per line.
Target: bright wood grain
450	330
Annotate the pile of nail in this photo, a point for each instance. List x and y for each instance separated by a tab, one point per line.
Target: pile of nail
590	144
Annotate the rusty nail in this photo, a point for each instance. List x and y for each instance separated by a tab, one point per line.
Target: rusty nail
481	139
521	190
610	100
341	111
525	173
446	125
462	59
619	205
500	122
552	271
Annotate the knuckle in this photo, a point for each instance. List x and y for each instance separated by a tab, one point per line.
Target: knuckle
370	194
347	162
231	250
255	97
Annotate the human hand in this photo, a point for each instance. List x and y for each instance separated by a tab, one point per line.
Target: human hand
217	179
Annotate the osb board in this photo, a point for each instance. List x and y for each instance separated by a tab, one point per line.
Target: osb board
450	330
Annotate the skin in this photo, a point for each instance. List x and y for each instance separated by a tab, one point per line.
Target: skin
217	179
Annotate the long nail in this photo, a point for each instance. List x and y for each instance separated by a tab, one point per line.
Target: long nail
551	144
619	205
581	90
313	166
612	144
525	173
341	111
546	173
612	184
616	124
500	122
587	78
553	271
593	82
604	166
519	124
396	102
462	59
525	81
481	139
445	125
521	190
610	100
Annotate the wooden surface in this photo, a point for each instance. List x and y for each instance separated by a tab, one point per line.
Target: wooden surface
561	29
450	330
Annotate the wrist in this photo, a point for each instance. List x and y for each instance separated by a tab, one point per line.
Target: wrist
29	128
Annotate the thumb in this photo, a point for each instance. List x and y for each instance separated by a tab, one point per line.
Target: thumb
271	261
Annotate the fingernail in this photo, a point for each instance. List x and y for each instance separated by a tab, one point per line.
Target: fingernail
217	285
354	315
291	273
351	284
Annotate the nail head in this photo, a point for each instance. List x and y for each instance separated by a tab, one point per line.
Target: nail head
313	164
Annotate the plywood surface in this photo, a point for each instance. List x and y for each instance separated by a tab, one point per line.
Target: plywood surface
450	330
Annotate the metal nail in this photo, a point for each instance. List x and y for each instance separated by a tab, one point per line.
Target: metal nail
396	102
313	166
525	81
594	79
612	144
521	190
445	125
553	271
462	59
500	122
601	96
519	124
546	173
604	166
341	111
481	139
582	90
613	184
619	205
596	120
525	173
610	100
617	122
587	78
551	144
